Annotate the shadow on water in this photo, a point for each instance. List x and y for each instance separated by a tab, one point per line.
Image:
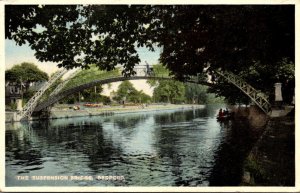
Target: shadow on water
231	154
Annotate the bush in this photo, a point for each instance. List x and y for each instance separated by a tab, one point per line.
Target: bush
13	106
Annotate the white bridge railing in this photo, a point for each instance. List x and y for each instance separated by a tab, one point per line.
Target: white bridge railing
63	83
256	96
31	104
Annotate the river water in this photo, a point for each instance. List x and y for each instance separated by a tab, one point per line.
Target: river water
160	148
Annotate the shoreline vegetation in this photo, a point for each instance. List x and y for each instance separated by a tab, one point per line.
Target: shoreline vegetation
271	162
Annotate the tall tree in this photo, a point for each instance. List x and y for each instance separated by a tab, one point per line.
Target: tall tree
25	73
127	93
92	94
169	91
228	36
195	93
231	37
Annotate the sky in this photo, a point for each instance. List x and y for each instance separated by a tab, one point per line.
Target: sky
15	54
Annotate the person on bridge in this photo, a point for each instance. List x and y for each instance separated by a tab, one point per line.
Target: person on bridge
148	69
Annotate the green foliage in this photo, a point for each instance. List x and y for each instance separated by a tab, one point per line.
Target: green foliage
212	98
89	75
26	73
13	106
169	91
231	36
127	93
159	71
143	97
105	100
85	76
249	40
93	94
259	173
27	95
195	93
70	99
50	89
262	78
232	94
86	96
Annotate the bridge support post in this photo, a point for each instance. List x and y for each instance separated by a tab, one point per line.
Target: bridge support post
16	117
278	95
277	109
19	104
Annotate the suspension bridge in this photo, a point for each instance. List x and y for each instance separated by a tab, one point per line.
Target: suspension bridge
62	90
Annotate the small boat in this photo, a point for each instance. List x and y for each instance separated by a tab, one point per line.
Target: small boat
229	116
223	118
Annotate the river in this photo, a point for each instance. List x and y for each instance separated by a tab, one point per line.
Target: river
159	148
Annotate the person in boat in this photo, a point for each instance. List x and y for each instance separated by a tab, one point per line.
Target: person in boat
226	112
221	114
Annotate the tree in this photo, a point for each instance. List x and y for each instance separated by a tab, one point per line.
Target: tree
106	34
232	94
92	94
144	98
125	90
261	78
230	37
127	93
27	72
195	93
24	74
90	34
169	91
159	71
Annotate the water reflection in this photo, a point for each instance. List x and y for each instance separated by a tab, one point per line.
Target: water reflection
236	145
168	148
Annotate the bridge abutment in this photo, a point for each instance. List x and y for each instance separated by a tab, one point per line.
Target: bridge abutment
19	104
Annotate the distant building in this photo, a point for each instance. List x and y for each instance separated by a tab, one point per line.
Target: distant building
13	91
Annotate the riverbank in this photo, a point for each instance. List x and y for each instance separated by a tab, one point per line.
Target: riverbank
64	111
271	161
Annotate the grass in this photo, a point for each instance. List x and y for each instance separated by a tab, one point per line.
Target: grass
257	172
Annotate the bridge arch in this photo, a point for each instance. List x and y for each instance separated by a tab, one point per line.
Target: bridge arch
141	73
57	97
